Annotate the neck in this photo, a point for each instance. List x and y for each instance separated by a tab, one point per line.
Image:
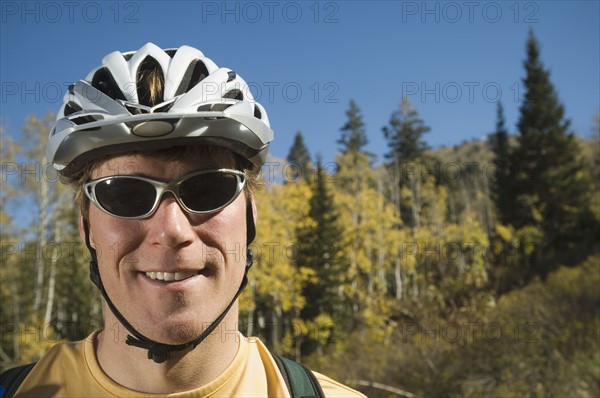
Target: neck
184	371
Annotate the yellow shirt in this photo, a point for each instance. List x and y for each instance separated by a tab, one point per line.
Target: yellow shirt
72	370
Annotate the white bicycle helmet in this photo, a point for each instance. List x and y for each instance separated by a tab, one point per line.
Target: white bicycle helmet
109	113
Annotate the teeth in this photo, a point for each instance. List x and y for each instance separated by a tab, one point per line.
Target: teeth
184	275
170	276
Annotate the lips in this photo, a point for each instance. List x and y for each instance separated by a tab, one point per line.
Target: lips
171	276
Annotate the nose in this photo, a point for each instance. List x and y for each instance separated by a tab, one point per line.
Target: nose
169	225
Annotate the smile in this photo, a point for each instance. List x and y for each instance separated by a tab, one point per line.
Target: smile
171	276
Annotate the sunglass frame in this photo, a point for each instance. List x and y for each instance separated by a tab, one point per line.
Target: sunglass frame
162	186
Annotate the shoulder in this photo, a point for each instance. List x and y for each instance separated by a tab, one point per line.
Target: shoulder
335	389
330	387
60	352
63	353
53	370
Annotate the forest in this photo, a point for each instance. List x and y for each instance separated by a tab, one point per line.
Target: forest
467	271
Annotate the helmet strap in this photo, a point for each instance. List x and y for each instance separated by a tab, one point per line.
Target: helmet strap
160	352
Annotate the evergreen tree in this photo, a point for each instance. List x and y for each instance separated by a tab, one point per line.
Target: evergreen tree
353	162
551	188
502	187
299	160
409	163
275	287
354	136
319	249
405	134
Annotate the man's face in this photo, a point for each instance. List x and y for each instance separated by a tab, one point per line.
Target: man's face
171	240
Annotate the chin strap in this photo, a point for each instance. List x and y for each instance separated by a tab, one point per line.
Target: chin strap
160	352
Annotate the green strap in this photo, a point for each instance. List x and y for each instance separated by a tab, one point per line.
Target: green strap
300	381
11	379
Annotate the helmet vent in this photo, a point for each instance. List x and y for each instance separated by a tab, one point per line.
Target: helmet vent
231	75
86	119
163	108
134	110
213	107
235	94
104	81
194	74
257	112
150	82
71	107
219	107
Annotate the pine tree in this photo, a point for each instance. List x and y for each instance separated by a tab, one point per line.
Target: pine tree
503	186
356	193
275	285
299	160
408	160
354	136
551	189
405	134
353	162
319	249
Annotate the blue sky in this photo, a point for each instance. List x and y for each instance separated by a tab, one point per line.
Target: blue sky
306	59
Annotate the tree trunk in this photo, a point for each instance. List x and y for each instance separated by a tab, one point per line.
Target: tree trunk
488	208
398	275
43	221
41	239
417	204
52	277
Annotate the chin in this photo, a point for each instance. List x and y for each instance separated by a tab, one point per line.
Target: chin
177	332
180	328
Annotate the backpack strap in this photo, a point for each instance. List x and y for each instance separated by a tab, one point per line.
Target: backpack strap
300	381
11	379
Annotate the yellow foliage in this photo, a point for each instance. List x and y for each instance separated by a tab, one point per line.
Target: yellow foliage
274	278
34	341
321	329
505	232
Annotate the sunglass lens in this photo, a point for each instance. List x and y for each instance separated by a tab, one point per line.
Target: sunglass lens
126	197
208	191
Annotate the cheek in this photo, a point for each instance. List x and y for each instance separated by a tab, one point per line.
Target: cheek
113	238
224	234
228	225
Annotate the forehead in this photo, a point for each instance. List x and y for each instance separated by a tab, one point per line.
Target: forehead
168	163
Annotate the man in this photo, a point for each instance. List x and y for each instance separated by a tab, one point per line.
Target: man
163	149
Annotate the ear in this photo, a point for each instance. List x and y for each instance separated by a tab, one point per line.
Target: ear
254	210
251	214
80	224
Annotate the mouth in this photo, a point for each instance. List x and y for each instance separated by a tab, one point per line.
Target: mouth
172	276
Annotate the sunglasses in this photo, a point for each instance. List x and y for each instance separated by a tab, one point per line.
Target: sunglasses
136	197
